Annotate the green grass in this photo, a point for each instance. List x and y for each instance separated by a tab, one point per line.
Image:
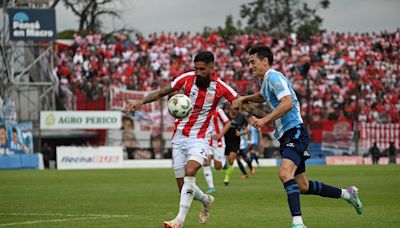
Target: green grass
146	197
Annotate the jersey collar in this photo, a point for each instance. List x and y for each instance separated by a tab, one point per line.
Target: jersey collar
266	75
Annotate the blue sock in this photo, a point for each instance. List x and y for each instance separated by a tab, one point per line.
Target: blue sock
293	194
319	188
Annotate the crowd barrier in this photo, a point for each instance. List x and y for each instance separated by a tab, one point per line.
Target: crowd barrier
21	161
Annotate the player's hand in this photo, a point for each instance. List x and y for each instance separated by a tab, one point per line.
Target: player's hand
217	136
237	103
255	122
131	107
237	133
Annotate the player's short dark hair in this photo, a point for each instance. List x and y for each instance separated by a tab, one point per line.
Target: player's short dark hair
204	56
262	52
3	126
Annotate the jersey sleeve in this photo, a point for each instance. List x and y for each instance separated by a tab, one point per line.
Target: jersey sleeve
222	116
229	93
278	86
180	81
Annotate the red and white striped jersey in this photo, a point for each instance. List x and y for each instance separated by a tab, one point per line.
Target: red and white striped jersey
205	101
219	121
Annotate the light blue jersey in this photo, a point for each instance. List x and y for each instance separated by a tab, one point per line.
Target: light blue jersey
254	135
274	86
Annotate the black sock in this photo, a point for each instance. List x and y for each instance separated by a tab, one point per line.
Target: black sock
249	165
293	196
241	167
319	188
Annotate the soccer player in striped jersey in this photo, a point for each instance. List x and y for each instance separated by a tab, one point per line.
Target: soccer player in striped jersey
276	91
190	140
221	125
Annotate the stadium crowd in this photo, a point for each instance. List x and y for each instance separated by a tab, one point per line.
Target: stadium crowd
342	68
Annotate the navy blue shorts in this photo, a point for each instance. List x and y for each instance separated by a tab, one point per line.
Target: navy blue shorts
294	143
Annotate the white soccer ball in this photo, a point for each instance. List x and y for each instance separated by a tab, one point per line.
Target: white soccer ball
180	106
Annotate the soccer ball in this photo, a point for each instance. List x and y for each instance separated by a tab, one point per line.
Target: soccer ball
180	106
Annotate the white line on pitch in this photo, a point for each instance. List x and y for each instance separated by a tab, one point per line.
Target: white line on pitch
81	217
60	214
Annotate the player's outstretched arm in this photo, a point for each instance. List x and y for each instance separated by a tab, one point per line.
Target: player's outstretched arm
286	103
255	98
253	110
131	107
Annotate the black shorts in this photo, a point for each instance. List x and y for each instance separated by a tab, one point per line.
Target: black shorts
243	153
294	144
232	145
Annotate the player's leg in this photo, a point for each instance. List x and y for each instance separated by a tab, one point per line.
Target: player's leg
219	158
315	187
231	158
243	154
179	152
188	158
208	174
286	175
241	167
253	153
196	157
189	190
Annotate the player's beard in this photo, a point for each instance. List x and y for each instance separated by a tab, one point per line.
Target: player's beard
203	82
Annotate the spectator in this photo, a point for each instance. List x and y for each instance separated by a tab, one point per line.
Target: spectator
392	153
337	62
375	154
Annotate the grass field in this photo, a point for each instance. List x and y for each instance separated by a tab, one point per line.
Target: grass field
146	197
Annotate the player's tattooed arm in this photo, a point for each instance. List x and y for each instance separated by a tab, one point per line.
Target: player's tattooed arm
131	107
158	94
253	110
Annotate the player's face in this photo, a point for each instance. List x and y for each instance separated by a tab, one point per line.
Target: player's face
203	72
258	67
3	136
15	137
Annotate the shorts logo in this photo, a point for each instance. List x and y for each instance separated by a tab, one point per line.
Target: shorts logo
290	144
306	154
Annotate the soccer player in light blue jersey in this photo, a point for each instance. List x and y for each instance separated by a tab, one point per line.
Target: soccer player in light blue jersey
276	91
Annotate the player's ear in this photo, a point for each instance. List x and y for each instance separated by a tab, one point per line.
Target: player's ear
265	61
211	66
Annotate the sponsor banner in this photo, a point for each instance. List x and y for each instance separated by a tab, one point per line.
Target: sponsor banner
89	157
148	120
337	138
382	161
80	119
344	160
32	24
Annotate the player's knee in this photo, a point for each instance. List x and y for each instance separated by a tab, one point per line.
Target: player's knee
285	175
217	165
190	171
206	163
